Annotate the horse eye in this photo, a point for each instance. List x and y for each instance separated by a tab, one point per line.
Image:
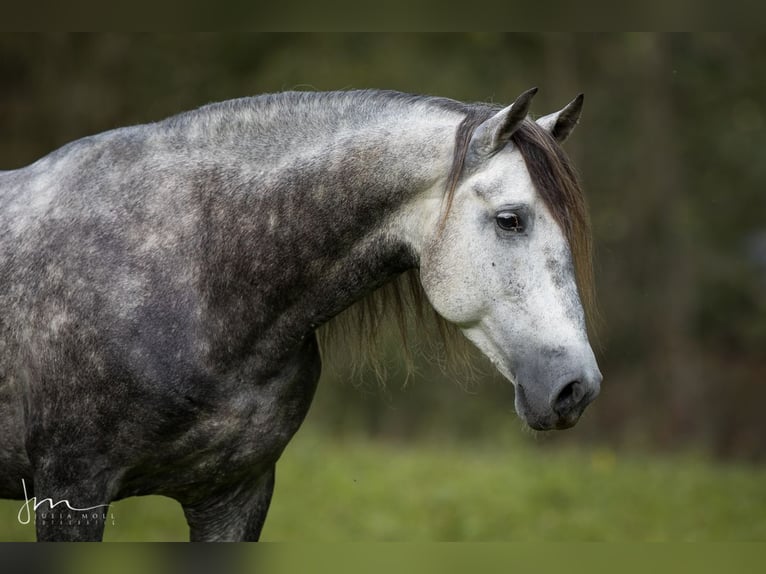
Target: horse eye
510	221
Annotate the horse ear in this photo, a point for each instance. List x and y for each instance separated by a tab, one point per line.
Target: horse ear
492	135
560	124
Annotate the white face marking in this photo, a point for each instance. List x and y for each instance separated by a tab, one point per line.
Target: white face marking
512	293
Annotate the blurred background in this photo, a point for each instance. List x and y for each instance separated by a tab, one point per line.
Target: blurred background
671	152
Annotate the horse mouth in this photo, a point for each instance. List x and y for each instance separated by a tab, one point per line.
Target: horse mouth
547	424
567	422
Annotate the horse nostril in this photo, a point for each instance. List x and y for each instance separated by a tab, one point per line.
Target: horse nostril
568	398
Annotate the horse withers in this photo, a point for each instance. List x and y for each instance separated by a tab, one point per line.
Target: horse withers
161	285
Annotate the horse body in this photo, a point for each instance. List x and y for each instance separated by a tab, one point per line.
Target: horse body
161	285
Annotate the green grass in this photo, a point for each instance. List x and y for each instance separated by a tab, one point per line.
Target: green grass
354	490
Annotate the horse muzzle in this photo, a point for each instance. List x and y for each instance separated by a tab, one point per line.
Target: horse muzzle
561	406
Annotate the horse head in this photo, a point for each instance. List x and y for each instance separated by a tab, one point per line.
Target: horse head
509	260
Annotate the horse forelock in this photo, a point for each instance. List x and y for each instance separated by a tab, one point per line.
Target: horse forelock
558	184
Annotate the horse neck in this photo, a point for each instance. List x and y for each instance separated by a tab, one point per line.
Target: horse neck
319	224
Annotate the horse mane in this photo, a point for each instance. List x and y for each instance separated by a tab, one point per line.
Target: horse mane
403	303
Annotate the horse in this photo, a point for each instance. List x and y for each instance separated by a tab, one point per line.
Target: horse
161	286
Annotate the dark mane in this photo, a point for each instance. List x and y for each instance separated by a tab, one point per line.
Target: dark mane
556	180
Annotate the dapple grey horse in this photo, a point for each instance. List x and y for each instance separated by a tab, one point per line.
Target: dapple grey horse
161	285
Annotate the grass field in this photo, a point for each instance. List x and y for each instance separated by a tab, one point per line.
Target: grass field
354	490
